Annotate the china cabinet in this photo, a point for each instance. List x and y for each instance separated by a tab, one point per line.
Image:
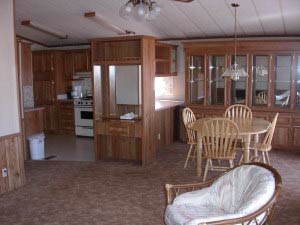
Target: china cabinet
272	85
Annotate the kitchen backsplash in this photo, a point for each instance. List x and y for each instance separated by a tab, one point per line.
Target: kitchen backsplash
28	100
86	85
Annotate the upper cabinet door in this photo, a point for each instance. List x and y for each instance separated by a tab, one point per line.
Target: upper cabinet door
260	82
68	65
298	82
48	62
216	81
37	62
197	79
238	87
282	80
80	61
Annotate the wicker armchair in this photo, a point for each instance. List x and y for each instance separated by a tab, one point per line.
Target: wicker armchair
180	211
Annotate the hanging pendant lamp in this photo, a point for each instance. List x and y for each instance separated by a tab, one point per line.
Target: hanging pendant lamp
235	71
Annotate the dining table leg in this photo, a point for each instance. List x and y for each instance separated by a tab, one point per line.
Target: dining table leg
247	139
199	154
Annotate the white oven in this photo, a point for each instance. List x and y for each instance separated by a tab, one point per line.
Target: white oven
83	117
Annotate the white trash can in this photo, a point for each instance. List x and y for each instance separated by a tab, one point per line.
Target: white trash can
36	146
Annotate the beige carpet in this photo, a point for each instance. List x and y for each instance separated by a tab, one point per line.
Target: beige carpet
118	193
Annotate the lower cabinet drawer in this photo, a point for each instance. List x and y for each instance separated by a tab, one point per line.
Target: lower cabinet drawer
122	130
127	129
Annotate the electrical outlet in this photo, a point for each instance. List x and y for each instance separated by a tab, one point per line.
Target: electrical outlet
158	136
4	172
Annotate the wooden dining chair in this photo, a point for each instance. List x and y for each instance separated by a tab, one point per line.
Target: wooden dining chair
238	111
219	136
188	117
261	98
266	145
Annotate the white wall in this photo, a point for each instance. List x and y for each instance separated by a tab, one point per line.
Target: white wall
9	114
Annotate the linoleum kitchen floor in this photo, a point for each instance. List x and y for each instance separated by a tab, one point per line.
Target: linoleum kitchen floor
69	148
120	193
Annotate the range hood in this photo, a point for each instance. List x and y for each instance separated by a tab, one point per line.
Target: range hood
82	75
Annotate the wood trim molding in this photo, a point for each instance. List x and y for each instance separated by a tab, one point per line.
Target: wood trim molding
10	136
228	37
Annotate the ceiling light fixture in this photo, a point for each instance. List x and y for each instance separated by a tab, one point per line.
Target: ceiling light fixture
43	29
235	71
140	10
103	22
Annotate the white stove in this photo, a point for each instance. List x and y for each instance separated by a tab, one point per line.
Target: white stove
83	109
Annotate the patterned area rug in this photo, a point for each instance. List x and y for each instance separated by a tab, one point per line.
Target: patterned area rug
119	193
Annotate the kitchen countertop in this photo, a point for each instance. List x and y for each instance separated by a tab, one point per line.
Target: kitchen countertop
30	109
165	104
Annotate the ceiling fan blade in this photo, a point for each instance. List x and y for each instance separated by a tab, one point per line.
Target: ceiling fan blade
183	0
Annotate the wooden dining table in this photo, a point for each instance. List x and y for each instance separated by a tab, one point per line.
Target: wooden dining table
248	127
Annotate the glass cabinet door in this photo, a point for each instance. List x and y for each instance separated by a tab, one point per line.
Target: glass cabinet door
260	71
197	79
298	81
282	90
238	88
217	83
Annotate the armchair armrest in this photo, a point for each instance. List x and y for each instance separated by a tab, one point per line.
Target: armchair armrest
173	190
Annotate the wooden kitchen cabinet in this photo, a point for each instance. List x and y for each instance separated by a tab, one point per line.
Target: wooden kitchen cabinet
47	71
165	59
42	61
76	61
50	119
66	117
25	62
68	65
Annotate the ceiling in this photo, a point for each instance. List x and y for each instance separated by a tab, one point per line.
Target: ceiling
200	18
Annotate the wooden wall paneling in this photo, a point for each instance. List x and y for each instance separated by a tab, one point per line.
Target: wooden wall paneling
11	157
4	184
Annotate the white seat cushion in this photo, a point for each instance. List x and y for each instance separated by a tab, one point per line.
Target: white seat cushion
238	193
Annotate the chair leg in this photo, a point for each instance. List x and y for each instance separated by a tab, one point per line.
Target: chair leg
268	158
208	161
188	156
264	157
241	159
231	163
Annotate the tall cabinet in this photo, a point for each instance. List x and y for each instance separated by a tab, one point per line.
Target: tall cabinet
273	84
123	80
